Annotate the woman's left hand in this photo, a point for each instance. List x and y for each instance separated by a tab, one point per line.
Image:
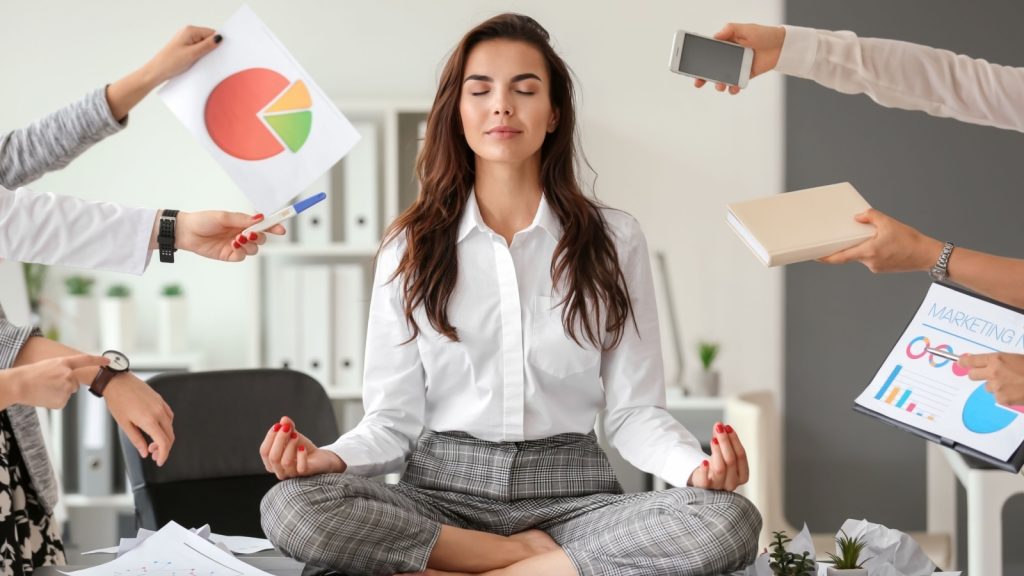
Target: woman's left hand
727	469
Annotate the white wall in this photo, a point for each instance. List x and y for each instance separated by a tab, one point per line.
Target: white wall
669	154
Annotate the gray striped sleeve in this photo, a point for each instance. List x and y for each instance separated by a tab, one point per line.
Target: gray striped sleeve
24	420
12	338
52	142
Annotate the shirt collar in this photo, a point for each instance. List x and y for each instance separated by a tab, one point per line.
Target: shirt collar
545	219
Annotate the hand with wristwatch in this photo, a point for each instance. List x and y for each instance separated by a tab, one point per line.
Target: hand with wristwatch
118	365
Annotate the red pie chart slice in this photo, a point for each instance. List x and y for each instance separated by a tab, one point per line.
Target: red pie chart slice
232	113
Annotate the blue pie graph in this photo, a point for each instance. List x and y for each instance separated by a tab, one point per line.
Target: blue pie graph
983	416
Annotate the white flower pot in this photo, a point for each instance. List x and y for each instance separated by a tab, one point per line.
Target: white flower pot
173	324
706	383
117	324
79	323
833	571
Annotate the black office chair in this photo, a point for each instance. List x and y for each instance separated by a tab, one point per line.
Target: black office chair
214	474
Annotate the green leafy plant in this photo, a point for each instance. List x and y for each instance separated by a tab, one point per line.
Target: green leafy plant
786	563
118	291
172	290
849	552
707	351
35	277
78	285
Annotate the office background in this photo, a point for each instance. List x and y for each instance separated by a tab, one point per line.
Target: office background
670	155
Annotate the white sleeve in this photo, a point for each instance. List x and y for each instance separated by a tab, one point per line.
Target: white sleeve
908	76
636	422
394	393
52	229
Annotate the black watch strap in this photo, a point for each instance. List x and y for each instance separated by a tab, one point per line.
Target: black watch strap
165	235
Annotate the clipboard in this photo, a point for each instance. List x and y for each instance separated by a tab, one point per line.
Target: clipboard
898	400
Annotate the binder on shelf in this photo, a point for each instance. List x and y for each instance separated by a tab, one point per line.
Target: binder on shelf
284	321
350	325
315	305
314	226
96	453
361	188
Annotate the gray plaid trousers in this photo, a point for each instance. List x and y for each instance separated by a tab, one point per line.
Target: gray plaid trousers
563	485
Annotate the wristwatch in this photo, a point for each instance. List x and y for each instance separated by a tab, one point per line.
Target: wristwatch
940	271
118	364
165	235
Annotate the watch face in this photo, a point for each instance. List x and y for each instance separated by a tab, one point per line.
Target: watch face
118	361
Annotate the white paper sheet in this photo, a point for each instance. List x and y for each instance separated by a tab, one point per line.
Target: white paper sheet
234	544
242	544
932	393
173	550
259	114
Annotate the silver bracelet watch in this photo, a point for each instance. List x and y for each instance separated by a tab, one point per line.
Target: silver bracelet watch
940	271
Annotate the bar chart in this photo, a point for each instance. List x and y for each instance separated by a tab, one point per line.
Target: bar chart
916	393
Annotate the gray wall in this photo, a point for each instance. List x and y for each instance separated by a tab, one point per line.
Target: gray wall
951	180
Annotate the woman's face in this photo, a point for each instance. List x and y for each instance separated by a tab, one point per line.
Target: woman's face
505	103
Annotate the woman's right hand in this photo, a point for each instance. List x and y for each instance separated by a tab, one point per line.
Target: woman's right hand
50	383
765	41
288	454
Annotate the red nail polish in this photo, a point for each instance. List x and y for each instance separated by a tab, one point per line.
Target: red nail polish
720	428
242	240
714	441
302	448
236	245
728	429
277	427
705	463
258	217
252	236
287	428
295	435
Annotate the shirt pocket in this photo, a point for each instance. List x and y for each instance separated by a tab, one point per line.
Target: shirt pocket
552	350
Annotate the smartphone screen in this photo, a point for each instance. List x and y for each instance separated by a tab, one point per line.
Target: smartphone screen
711	59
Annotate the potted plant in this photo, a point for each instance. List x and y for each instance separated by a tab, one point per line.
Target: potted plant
117	319
35	280
707	380
847	562
786	563
79	317
172	316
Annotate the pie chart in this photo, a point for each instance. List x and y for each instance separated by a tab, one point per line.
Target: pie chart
983	415
257	113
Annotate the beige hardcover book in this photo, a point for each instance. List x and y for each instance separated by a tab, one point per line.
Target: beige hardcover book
802	225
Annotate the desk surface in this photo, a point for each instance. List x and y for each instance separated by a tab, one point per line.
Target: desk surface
270	562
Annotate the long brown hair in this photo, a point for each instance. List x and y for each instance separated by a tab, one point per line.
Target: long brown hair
585	260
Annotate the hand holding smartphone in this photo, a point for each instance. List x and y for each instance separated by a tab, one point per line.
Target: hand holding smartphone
709	59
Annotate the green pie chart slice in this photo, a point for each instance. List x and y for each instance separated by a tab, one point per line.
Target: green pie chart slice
293	128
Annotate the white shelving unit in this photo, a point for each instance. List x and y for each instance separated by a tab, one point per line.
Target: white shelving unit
398	126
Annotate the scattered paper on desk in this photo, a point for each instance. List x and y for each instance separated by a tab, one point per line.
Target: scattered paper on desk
259	114
173	550
234	544
242	544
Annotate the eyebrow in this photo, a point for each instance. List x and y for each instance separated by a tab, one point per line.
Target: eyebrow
516	78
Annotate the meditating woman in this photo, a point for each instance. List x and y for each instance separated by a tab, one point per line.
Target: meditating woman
510	312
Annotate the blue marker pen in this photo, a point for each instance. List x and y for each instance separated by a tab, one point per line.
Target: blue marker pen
284	214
